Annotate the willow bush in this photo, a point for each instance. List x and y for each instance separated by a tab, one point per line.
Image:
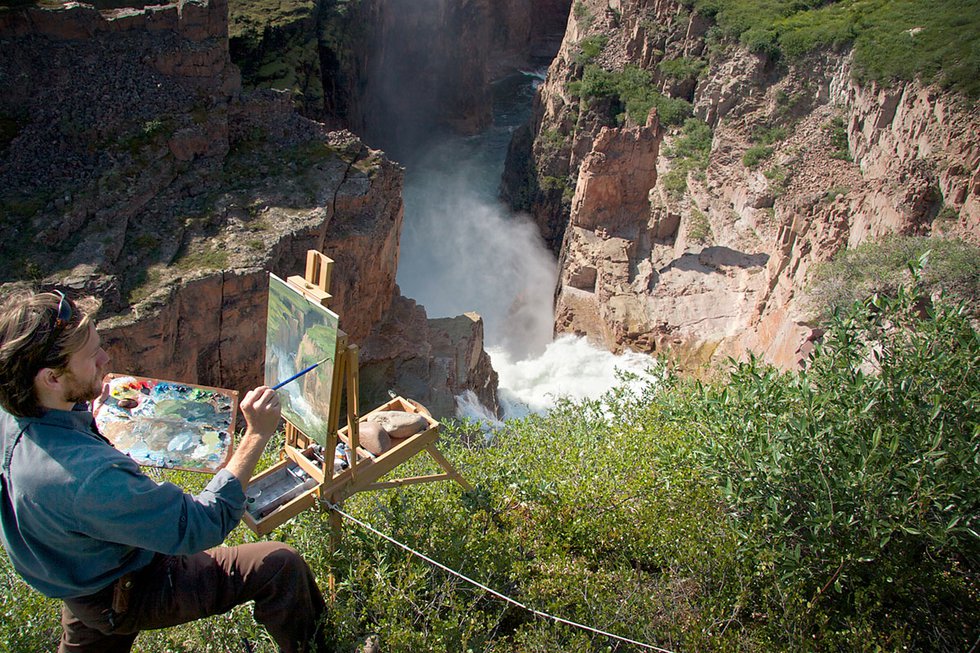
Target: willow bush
854	481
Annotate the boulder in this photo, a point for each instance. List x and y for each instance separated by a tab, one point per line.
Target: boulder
373	437
399	424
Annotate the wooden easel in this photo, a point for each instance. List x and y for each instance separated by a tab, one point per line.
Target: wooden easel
365	469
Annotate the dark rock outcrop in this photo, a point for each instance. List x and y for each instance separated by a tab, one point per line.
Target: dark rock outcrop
431	360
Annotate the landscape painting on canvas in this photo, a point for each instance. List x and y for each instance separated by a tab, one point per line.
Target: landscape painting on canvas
299	333
169	424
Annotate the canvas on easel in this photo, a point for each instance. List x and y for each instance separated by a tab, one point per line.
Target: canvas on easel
300	333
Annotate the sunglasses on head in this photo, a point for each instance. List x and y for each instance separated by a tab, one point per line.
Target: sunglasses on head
64	314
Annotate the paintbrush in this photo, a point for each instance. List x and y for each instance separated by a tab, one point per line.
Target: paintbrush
300	373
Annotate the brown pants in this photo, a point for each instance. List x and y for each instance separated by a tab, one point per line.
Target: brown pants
173	590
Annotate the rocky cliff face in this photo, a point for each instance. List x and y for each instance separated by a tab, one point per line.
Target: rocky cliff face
431	360
132	166
712	234
392	70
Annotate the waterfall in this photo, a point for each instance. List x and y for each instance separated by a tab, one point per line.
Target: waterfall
463	250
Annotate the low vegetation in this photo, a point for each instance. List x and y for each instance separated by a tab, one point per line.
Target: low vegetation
151	133
590	47
630	92
688	153
829	509
682	68
778	177
582	13
893	40
837	131
768	134
756	154
201	257
857	478
763	138
947	265
699	227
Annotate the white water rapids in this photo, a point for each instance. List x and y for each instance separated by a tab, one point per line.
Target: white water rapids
462	250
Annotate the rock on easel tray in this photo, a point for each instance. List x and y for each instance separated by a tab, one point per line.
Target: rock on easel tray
169	424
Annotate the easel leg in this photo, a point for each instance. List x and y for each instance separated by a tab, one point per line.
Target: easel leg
448	466
336	524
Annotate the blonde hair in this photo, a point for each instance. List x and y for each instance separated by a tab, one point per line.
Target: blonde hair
31	339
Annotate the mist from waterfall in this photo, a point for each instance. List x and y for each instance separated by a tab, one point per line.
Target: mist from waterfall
463	250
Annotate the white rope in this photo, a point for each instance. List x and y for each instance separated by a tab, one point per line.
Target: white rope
483	587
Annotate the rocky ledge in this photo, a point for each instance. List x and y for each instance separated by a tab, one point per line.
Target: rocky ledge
133	167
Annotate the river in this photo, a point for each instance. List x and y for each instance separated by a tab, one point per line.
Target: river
463	250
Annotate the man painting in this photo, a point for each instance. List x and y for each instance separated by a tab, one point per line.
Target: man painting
82	523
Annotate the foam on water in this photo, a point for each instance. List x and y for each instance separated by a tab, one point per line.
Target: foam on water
570	367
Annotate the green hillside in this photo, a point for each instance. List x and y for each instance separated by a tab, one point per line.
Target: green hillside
893	39
833	509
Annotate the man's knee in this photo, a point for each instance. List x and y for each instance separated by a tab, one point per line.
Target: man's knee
281	559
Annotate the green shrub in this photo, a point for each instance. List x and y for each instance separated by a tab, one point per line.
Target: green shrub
689	152
582	13
638	95
552	140
682	68
694	142
675	181
633	94
756	155
590	48
595	83
554	183
778	177
699	228
151	132
837	131
768	135
854	481
670	111
880	267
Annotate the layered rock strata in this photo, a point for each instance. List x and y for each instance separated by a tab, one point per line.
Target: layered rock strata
803	161
132	166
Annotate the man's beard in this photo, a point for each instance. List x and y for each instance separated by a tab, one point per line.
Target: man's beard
78	391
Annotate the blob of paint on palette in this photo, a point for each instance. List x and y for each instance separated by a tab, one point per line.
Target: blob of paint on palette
169	424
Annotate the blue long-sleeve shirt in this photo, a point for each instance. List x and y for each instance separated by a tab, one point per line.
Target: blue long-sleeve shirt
76	514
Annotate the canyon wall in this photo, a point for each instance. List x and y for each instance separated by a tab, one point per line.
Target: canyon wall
707	253
393	70
134	167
